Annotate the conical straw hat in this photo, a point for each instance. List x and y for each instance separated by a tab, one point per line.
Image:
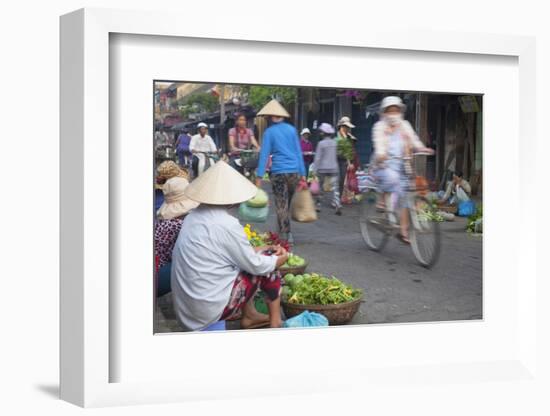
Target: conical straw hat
221	185
273	108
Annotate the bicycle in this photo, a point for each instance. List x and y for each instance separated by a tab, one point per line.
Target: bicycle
378	224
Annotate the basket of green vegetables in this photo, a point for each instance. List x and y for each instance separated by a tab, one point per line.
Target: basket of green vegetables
294	265
329	296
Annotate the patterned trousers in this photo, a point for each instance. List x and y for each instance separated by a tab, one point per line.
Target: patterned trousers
284	186
333	177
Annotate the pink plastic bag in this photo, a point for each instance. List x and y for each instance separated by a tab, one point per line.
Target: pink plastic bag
314	187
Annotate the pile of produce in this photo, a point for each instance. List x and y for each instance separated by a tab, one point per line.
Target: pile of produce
429	212
475	221
294	261
258	239
315	289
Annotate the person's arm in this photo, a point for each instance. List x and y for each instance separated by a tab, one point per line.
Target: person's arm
416	143
192	144
254	142
264	155
464	184
318	156
178	141
378	138
213	147
242	254
301	165
448	192
232	147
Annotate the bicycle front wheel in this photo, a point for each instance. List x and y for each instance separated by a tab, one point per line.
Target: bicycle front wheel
373	222
425	234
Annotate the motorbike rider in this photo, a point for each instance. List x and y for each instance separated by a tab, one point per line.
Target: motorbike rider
201	144
241	138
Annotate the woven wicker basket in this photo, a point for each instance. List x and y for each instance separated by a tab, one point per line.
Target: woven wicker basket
294	270
340	314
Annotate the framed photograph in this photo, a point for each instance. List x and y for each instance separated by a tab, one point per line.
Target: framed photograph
226	198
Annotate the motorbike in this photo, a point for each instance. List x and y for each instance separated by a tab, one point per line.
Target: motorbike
202	161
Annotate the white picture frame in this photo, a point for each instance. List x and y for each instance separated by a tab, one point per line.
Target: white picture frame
86	331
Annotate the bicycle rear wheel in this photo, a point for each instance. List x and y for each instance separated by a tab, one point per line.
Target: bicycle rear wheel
373	222
425	234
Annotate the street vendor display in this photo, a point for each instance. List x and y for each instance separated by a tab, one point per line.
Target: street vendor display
331	297
215	270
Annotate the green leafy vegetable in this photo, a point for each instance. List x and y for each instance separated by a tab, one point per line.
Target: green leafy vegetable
314	289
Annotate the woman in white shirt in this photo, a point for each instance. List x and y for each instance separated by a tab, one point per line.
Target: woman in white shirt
215	270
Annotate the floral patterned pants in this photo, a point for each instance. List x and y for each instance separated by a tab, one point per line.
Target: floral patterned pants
244	289
284	185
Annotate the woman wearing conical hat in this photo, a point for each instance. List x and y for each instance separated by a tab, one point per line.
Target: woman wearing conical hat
215	270
281	142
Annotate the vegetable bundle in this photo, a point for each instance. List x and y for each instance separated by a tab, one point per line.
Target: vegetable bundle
315	289
294	261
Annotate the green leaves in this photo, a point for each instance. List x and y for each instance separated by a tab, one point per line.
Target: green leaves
315	289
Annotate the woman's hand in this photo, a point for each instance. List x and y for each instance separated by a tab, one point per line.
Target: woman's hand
278	250
259	182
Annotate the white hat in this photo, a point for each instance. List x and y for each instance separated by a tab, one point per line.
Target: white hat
201	124
345	121
305	131
273	108
221	185
175	202
391	101
326	128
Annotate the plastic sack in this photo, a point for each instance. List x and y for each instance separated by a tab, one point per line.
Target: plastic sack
302	207
259	201
314	187
306	319
466	208
252	214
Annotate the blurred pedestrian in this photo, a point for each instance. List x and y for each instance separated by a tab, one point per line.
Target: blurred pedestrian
347	155
326	166
182	148
281	141
307	148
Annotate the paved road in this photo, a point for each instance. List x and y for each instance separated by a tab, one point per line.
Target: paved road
397	289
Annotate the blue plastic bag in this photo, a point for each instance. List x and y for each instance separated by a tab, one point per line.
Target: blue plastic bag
466	208
306	319
251	214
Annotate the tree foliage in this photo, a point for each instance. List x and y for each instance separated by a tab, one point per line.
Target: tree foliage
258	95
201	102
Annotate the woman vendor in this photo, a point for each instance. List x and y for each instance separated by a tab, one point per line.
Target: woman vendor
215	270
170	219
